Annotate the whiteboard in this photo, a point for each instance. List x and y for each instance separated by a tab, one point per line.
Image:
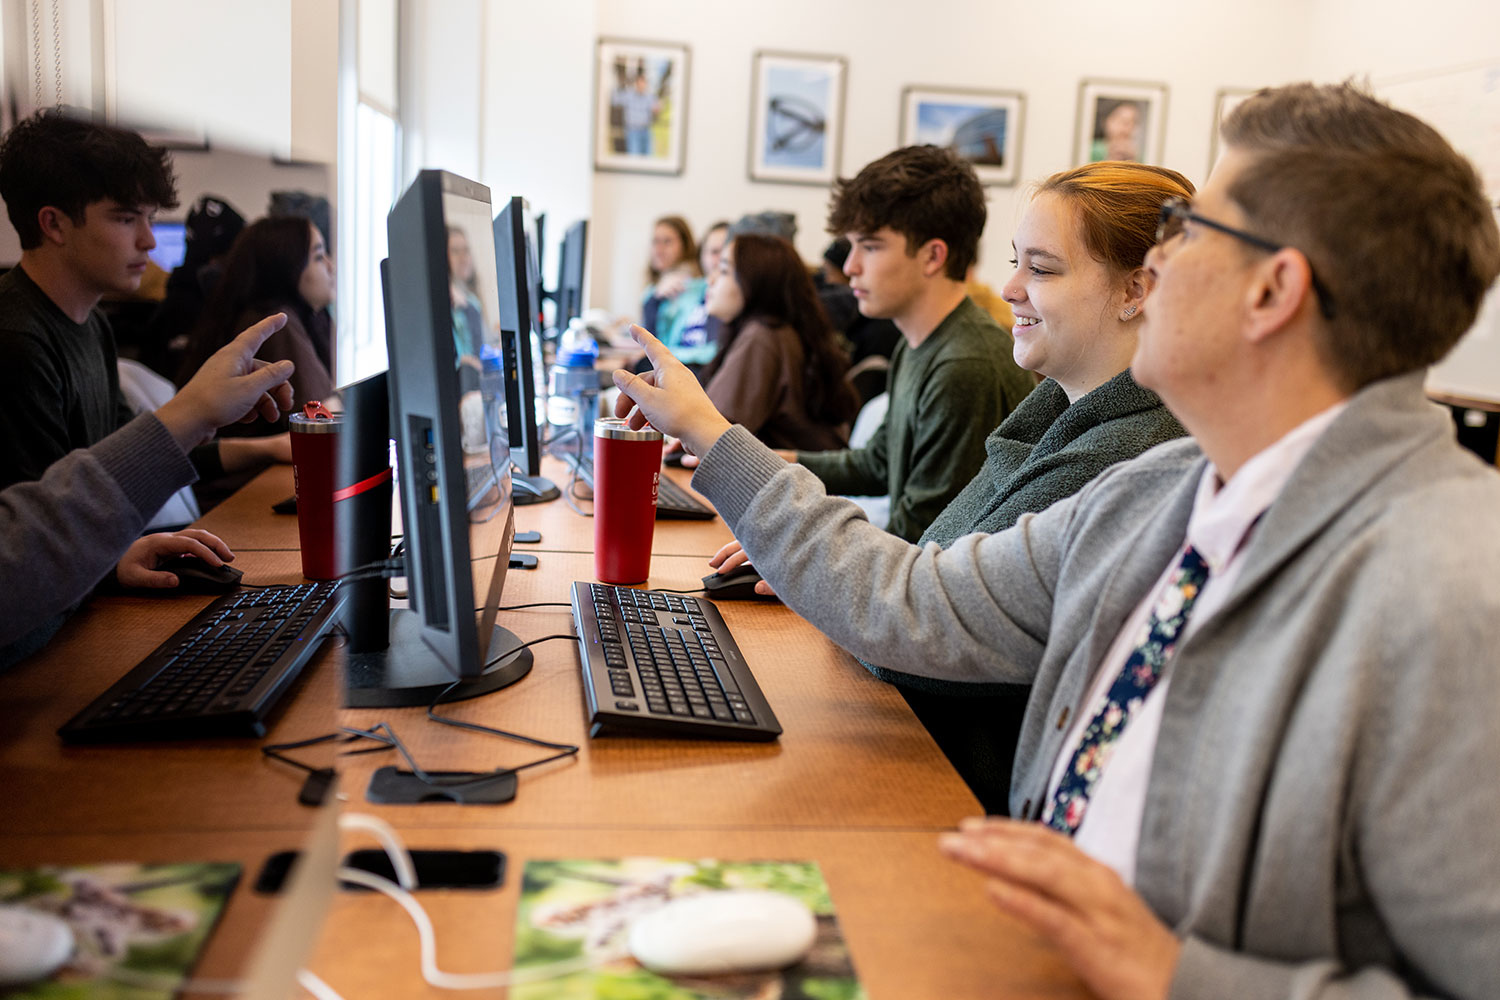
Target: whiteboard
1464	104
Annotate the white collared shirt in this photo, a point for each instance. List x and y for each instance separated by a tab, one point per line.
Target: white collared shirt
1222	520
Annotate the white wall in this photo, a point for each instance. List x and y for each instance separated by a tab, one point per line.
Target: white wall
1039	49
538	146
224	71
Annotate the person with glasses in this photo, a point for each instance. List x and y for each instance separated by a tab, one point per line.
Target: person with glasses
1258	756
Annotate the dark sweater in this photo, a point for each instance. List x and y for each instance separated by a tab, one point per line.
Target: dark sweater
760	384
945	397
59	384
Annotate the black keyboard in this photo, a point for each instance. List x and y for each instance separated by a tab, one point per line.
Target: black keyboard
655	662
677	504
673	503
220	674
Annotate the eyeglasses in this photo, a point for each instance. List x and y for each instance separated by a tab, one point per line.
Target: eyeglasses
1175	213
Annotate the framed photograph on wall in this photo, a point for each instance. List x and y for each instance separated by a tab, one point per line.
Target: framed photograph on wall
983	126
1226	101
640	106
796	117
1120	120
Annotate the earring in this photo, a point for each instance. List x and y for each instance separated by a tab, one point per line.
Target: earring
1128	313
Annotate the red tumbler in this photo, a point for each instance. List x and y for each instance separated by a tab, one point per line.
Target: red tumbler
627	467
314	450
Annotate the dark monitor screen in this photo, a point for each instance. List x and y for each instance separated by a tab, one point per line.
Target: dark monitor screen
519	278
449	415
570	267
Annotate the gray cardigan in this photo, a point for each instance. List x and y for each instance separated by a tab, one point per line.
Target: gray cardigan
62	534
1322	814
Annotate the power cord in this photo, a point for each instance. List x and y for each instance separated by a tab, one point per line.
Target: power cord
426	936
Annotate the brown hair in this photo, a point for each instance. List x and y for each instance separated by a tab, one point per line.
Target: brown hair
923	193
778	291
1117	204
53	158
678	225
1392	220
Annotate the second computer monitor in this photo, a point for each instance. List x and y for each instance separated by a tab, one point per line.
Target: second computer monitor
573	254
519	281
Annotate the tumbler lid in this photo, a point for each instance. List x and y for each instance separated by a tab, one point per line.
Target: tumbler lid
616	429
314	418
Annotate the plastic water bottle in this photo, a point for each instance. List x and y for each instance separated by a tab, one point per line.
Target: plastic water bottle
572	382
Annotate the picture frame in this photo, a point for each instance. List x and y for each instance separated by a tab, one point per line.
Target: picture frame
1225	101
796	117
640	106
1120	120
982	126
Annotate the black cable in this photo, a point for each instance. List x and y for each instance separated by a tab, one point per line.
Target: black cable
668	590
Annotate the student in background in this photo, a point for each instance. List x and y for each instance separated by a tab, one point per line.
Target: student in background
81	522
779	371
1257	759
276	265
210	230
81	197
698	337
913	219
674	283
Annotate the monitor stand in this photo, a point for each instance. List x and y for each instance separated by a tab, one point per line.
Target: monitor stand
532	489
409	673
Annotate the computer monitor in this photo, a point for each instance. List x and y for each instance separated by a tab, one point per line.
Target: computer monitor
448	419
571	259
171	245
520	281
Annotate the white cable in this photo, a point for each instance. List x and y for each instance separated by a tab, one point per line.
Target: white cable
406	872
320	990
427	942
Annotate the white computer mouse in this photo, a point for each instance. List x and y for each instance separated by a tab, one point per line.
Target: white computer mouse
734	930
33	945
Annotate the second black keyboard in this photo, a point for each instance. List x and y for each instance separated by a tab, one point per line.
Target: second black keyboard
660	662
220	674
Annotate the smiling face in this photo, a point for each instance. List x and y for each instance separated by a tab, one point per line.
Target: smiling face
316	285
887	280
725	299
106	253
1068	304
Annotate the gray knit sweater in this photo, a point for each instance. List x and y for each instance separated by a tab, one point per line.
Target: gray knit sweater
1044	451
60	535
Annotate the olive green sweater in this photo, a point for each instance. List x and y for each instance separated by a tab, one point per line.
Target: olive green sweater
945	398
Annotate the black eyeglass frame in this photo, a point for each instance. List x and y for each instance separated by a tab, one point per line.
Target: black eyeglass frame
1178	210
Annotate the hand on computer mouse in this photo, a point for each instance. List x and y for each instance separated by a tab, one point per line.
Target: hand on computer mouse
147	562
734	568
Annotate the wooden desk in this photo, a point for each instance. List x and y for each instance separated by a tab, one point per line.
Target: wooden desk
246	520
917	925
854	783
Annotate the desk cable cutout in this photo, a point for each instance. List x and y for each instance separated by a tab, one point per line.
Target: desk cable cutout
426	935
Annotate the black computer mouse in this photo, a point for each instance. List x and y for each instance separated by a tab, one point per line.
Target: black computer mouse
673	458
736	585
195	576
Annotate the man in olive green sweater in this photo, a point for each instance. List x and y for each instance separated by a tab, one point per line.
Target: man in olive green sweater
913	219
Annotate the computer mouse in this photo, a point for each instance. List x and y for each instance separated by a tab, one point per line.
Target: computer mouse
723	932
195	576
736	585
33	944
673	458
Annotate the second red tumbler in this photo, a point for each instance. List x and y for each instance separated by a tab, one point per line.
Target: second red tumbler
627	467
